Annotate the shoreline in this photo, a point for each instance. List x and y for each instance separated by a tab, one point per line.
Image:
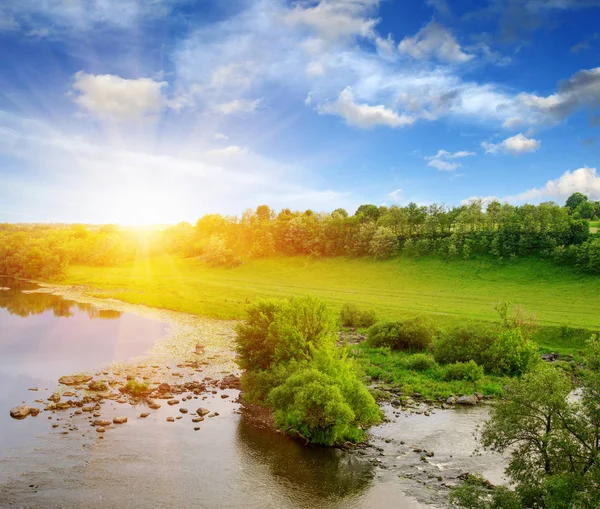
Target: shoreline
400	462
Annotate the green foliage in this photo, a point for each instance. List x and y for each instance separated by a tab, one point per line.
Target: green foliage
391	366
287	348
470	341
384	243
467	371
281	330
217	254
352	315
413	334
420	362
551	439
325	402
511	354
136	388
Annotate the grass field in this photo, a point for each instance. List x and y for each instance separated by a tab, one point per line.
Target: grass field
397	288
594	226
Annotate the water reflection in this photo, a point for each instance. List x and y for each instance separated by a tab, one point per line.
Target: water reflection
298	475
16	302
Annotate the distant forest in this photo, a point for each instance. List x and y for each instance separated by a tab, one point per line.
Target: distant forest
548	230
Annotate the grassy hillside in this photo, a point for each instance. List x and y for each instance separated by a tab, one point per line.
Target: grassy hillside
396	288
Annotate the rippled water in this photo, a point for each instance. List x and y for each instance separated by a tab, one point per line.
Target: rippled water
147	462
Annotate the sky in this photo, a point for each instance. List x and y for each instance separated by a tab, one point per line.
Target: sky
159	111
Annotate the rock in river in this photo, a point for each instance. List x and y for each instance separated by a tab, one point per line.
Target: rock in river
120	420
74	379
20	412
202	411
467	400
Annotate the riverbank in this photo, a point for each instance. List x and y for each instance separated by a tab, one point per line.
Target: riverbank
406	454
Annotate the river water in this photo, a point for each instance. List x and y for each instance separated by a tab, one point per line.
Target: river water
58	460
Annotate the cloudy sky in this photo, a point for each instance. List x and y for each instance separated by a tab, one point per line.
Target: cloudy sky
164	110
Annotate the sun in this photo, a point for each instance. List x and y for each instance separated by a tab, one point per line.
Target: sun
150	207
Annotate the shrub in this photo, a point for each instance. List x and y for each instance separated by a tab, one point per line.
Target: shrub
414	334
278	330
420	362
467	371
352	316
417	333
136	388
470	341
324	403
511	354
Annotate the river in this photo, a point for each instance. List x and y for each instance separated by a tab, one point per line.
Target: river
57	459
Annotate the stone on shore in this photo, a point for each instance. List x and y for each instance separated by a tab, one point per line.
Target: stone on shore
74	379
20	412
467	400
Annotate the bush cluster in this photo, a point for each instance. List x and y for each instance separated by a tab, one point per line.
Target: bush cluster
287	349
499	351
415	334
466	371
352	316
420	362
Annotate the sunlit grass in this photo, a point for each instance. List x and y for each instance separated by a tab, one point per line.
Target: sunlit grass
396	288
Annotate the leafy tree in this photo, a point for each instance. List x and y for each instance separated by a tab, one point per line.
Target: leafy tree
367	212
384	243
575	200
552	441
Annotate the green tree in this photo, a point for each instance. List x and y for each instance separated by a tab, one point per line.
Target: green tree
575	200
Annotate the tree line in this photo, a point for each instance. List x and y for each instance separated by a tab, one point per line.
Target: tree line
503	231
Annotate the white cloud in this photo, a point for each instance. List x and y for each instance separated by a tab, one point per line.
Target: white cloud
584	180
443	159
395	195
434	41
238	106
512	122
108	96
364	115
230	151
515	145
315	69
334	19
220	136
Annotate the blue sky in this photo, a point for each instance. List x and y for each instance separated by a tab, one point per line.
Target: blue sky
143	111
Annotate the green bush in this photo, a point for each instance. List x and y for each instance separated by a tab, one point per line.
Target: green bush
352	316
324	403
420	362
287	348
511	354
467	371
417	333
277	330
470	341
384	334
414	334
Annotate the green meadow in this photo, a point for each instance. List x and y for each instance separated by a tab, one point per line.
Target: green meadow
398	288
